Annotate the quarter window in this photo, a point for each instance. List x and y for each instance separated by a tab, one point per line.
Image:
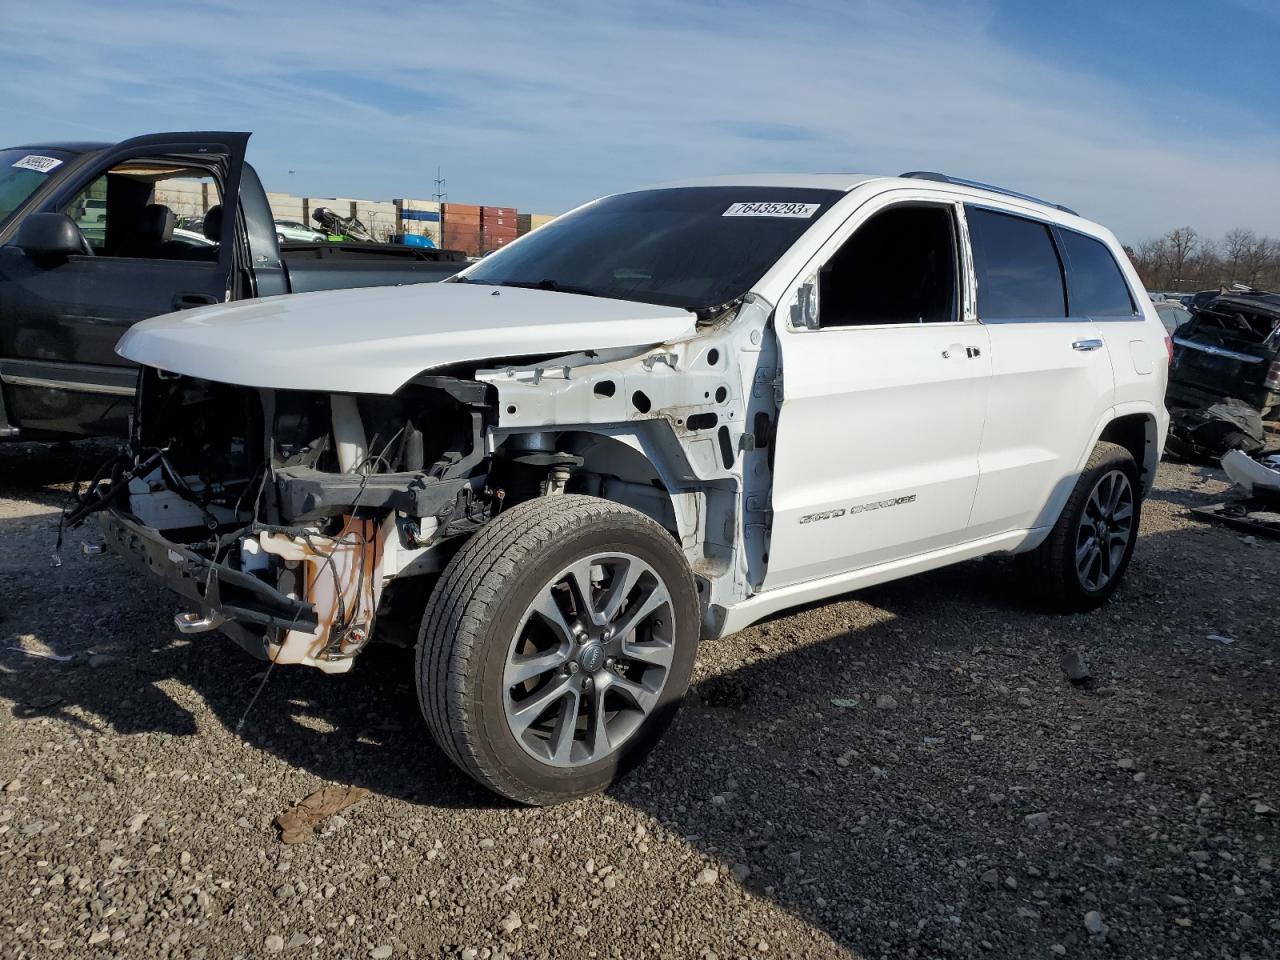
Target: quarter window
1019	272
1096	287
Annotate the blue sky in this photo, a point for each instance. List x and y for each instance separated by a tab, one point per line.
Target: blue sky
1143	115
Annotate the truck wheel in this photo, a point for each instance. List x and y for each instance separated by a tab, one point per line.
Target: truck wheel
1080	564
557	646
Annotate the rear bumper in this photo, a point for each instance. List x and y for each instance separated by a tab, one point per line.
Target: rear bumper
238	604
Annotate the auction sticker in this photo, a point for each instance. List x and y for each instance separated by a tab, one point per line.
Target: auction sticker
37	163
765	208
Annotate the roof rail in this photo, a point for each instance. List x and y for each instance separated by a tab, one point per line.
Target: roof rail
961	182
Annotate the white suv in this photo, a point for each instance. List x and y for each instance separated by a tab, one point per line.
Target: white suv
663	416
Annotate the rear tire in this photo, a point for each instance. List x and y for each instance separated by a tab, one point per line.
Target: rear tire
1084	558
556	647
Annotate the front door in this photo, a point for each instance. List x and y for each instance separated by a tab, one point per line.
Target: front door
885	379
147	254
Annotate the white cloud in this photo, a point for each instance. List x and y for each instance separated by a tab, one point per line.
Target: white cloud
542	106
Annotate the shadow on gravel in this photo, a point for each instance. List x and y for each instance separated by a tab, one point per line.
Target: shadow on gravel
879	821
33	471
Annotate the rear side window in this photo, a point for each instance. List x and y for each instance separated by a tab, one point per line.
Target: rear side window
1096	287
1019	273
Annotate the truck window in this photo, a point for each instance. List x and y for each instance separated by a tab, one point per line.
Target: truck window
898	267
148	209
22	173
1019	271
1095	285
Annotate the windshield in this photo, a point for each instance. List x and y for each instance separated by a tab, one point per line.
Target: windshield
691	247
22	173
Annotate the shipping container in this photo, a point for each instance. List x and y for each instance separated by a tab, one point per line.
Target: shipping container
410	204
526	222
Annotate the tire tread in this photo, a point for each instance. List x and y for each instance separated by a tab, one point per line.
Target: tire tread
456	615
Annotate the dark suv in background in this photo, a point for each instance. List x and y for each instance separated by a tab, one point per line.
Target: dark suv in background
1230	348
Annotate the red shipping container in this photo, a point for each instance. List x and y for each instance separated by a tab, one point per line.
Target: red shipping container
461	208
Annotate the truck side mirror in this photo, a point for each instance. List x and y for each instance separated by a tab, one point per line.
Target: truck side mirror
50	236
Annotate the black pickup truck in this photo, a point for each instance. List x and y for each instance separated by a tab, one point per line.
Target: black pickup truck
85	252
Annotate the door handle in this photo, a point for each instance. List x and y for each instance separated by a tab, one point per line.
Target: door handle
958	348
1091	344
186	301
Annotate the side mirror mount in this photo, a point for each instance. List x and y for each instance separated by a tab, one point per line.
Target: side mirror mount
50	236
804	306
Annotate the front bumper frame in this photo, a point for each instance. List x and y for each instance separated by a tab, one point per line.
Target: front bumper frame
238	604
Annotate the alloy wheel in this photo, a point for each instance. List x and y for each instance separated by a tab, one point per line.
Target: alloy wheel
589	659
1105	530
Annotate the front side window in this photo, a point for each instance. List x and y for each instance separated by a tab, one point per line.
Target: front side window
1095	287
22	173
690	247
1019	272
148	209
898	267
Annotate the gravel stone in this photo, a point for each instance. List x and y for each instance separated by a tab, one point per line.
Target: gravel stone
881	857
706	876
511	922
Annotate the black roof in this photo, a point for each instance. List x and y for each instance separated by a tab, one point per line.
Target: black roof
66	146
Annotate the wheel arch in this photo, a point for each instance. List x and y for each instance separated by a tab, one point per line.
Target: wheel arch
1139	433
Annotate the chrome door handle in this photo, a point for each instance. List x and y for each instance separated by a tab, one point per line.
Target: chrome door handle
1091	344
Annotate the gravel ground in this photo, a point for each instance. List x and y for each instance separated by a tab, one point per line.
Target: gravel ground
905	774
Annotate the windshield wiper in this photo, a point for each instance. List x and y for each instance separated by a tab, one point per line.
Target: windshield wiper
554	285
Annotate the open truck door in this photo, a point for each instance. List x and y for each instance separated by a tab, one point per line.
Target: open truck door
95	255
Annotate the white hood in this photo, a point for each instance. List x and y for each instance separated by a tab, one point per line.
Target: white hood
373	339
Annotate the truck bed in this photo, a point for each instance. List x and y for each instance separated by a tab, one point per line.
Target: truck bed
333	266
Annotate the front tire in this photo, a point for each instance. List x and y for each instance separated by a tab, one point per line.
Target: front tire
557	646
1082	561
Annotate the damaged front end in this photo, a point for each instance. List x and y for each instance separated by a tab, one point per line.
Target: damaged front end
280	515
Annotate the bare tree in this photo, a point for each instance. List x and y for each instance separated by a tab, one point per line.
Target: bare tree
1181	246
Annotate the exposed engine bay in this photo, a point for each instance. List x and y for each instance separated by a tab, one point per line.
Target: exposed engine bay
294	509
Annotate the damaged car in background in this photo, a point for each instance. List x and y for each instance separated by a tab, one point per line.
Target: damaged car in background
660	418
1224	382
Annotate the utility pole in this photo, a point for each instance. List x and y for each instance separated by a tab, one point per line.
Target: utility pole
441	195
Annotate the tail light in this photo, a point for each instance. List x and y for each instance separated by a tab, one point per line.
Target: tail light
1168	348
1272	381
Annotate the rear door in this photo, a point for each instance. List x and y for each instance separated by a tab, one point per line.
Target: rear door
1097	290
62	320
1051	379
